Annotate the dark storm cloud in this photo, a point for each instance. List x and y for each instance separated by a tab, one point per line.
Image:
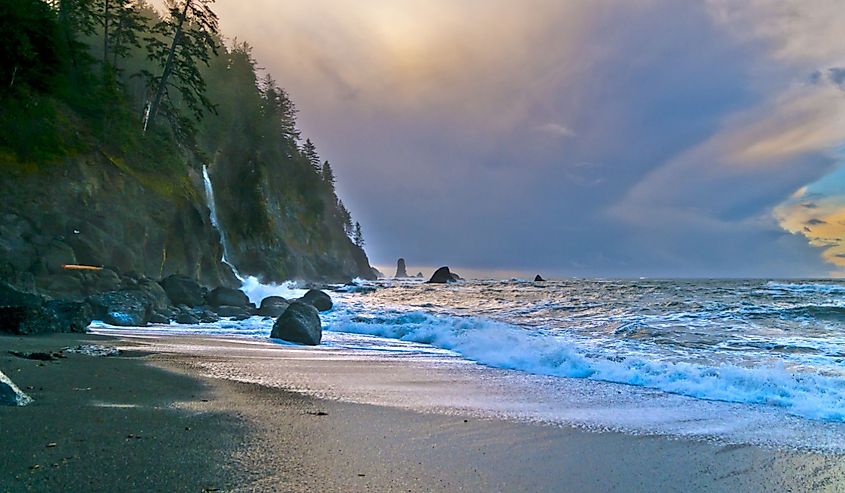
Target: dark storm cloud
580	138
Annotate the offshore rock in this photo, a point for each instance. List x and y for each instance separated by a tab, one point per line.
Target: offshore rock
10	394
318	299
442	276
300	323
400	268
539	278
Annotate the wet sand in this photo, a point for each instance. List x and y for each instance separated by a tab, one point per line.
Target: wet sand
199	433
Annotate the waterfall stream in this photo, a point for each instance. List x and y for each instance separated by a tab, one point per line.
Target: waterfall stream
251	285
215	221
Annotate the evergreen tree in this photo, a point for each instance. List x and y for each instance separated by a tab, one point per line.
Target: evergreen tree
309	151
277	103
345	218
328	175
123	23
358	236
192	29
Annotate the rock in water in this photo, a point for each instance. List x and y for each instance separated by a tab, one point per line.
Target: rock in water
419	275
182	290
318	299
10	394
236	312
223	296
273	306
442	276
400	268
539	278
299	323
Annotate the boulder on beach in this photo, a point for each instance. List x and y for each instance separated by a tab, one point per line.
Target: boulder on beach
25	313
182	290
223	296
236	312
318	299
186	318
442	276
126	308
539	278
273	306
400	268
10	394
300	323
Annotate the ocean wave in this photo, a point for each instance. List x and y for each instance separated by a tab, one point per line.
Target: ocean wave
807	287
257	291
507	346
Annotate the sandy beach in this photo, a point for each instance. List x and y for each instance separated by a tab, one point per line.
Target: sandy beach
153	422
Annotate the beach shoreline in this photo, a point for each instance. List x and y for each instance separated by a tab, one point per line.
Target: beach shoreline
202	433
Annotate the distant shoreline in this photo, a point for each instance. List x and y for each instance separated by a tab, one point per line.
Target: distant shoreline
198	432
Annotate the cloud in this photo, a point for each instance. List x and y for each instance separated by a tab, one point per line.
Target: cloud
555	129
583	138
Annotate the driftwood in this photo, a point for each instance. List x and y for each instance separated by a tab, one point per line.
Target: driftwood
81	267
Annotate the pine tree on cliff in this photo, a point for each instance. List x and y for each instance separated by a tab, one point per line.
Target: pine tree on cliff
358	238
309	151
328	176
123	23
192	29
277	103
345	218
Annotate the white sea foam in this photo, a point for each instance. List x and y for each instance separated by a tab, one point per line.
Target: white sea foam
535	351
257	291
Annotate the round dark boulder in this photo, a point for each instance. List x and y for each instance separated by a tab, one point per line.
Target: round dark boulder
223	296
318	299
182	290
154	292
273	306
442	276
159	318
186	318
236	312
126	308
300	323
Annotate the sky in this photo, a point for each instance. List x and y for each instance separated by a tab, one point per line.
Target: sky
574	138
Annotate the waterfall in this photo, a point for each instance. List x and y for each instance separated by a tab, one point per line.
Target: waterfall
212	207
251	285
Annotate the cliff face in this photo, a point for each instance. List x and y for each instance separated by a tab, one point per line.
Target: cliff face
88	210
94	210
278	232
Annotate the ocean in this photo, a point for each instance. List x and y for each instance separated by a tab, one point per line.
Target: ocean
745	361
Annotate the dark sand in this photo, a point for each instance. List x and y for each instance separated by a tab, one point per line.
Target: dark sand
251	438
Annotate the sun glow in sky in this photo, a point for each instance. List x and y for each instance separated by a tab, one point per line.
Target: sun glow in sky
574	138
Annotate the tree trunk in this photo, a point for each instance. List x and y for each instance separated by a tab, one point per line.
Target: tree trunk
168	67
106	32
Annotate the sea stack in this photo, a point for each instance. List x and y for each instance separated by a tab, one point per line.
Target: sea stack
442	276
400	269
539	278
